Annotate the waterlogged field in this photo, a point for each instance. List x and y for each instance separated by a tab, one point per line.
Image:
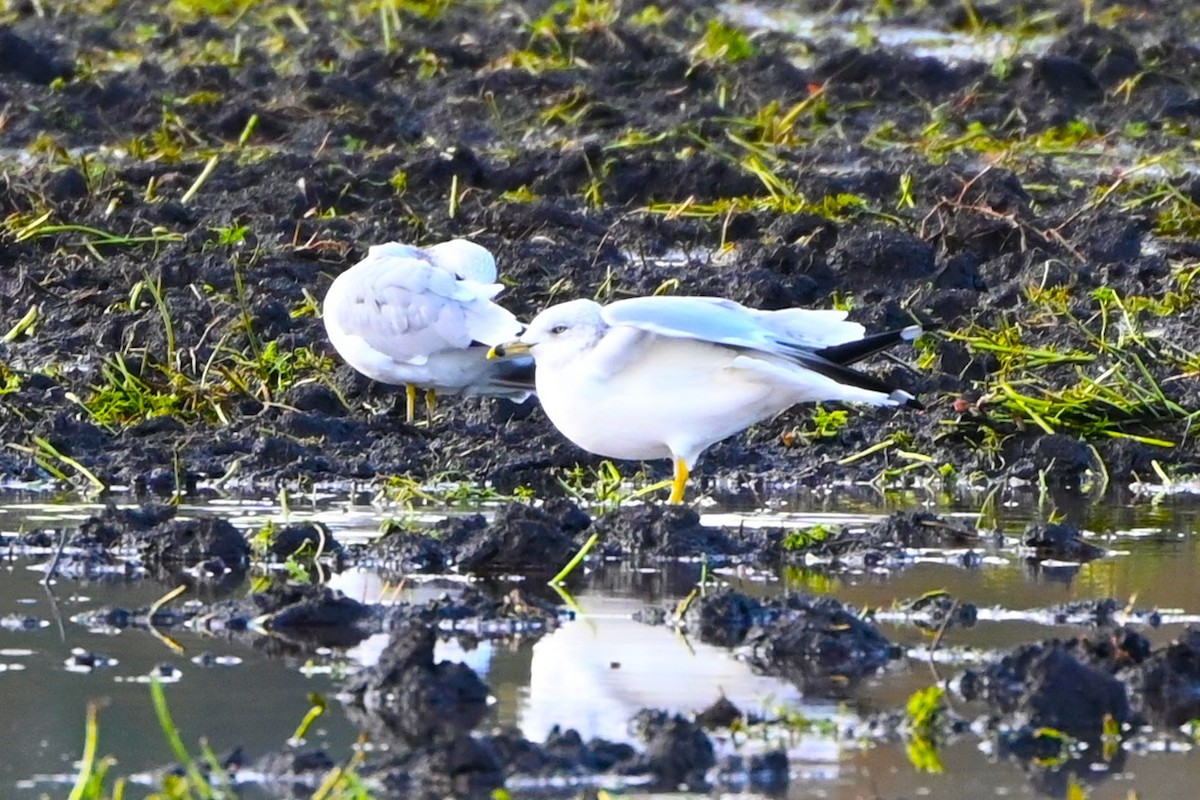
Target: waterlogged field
606	658
181	181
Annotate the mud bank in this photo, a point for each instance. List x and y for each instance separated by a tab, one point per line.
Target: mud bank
160	317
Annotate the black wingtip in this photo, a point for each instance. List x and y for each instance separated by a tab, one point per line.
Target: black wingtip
927	327
853	352
905	400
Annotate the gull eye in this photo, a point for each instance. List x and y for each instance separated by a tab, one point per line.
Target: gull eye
557	329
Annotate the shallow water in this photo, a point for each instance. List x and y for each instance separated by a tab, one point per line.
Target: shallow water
594	672
863	29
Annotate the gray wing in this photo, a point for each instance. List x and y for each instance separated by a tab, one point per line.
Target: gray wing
721	321
818	340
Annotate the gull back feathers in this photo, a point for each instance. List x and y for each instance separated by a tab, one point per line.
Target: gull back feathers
407	303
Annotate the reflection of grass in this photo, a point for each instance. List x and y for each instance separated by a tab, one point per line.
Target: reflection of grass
924	713
206	779
798	722
812	580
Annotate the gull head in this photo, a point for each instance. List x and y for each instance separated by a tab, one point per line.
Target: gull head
559	334
465	259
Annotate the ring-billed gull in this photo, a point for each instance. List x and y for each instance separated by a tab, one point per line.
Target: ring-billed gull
424	317
665	377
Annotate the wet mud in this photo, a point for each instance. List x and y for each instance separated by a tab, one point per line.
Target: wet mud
112	117
815	642
1034	702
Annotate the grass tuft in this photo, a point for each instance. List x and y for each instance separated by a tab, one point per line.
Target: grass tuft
1108	374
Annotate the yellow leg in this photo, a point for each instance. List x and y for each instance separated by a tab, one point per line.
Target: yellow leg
677	485
430	405
412	402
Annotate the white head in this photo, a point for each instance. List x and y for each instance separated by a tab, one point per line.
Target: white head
467	260
562	332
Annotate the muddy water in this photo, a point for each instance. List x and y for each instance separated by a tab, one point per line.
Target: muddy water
594	673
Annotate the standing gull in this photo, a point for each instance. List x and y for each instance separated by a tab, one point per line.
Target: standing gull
665	377
424	317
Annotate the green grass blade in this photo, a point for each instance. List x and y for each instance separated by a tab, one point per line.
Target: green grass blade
574	562
195	777
91	738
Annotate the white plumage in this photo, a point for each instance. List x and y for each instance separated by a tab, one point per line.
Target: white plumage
666	377
424	317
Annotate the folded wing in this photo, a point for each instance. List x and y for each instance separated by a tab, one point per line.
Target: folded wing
407	307
720	321
822	341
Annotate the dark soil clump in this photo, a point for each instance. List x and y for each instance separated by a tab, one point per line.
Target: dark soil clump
204	550
307	540
115	526
415	700
1166	685
890	543
1068	686
1060	542
817	643
429	711
211	542
675	532
678	753
520	538
938	611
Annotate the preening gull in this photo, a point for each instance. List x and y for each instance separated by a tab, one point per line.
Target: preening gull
424	317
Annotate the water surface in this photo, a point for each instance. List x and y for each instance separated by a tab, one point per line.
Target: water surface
596	671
